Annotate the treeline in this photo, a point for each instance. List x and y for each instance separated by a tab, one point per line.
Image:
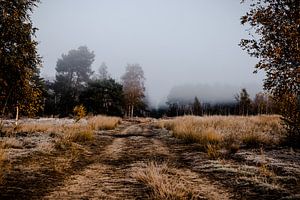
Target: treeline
262	103
76	84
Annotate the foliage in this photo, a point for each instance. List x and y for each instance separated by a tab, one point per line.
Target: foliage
133	87
103	97
276	26
79	112
20	84
73	73
291	116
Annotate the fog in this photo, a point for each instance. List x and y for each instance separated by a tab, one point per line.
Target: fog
212	93
192	42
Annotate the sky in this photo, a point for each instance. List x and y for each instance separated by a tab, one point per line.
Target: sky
177	42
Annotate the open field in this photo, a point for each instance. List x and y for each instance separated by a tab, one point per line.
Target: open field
179	158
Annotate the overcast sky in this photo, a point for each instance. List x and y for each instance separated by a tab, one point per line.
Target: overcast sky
176	42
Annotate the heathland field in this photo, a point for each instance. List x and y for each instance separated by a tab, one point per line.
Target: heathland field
218	157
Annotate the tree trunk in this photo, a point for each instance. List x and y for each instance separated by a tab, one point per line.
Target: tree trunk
17	116
131	114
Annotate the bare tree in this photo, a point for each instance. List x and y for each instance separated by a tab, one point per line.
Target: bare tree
133	87
103	73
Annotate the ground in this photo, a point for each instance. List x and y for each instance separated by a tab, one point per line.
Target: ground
110	167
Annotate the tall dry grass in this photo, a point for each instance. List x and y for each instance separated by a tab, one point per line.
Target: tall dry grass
227	130
163	182
103	122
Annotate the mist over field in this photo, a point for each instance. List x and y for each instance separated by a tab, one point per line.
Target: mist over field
136	99
176	43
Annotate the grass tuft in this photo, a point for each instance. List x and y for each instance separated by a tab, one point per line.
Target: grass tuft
104	123
162	182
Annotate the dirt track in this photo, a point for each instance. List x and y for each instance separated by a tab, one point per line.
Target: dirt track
103	169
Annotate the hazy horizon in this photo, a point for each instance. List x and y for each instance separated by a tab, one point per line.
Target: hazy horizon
176	42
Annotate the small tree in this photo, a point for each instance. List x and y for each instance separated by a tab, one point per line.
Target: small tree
133	87
244	102
79	112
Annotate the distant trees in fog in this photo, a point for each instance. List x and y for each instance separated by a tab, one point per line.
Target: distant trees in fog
262	103
244	102
134	88
73	72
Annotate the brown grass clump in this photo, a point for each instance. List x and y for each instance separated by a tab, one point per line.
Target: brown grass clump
2	164
162	182
12	142
229	131
213	151
80	135
103	122
256	139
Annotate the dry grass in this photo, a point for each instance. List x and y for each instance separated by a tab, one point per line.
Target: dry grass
170	183
229	131
92	123
34	127
12	142
162	182
103	123
2	164
78	133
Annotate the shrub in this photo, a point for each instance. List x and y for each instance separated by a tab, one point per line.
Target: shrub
79	112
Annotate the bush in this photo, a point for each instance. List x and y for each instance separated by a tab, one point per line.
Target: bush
290	111
79	112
